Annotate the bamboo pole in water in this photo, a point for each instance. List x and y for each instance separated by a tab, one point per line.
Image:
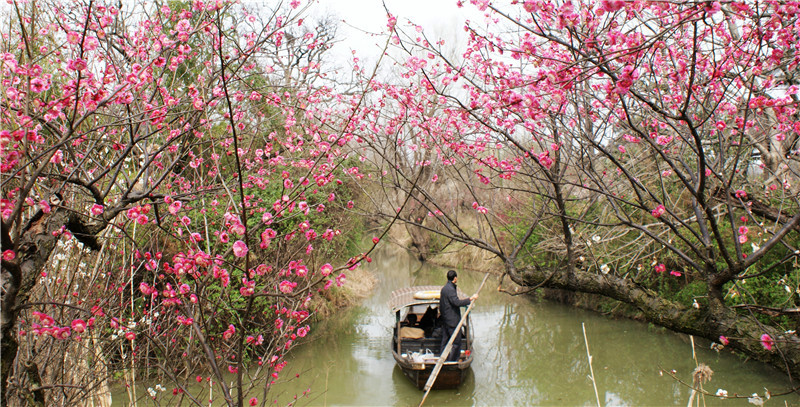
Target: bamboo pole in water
591	369
446	350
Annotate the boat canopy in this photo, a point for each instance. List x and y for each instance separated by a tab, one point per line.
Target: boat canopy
405	297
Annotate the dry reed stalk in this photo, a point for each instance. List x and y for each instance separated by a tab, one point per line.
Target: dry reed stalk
591	369
701	374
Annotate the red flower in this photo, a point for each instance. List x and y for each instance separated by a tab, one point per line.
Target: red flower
78	325
658	211
767	342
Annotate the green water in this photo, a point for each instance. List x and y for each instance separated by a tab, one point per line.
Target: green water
526	353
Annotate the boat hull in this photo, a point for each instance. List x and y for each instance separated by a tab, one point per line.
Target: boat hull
450	376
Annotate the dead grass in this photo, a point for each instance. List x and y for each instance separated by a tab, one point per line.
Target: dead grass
467	257
455	255
358	285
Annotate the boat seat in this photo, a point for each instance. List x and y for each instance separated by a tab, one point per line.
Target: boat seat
409	346
408	332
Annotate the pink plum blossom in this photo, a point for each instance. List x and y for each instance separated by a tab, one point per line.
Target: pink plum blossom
658	211
303	331
229	332
767	342
39	85
44	206
239	248
96	209
326	269
78	325
286	286
175	207
58	156
611	6
62	333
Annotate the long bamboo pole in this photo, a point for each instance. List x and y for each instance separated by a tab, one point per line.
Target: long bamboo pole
446	350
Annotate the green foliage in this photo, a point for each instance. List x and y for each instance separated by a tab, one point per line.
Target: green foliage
516	230
355	236
685	293
768	291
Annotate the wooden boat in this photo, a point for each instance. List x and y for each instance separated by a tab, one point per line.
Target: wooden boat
416	339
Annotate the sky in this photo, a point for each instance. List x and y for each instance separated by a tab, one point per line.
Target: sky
358	18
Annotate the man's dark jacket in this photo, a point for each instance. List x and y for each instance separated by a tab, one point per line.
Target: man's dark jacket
450	305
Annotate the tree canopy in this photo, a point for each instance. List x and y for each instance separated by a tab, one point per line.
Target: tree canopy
179	178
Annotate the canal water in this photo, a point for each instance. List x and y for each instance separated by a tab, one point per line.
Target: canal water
526	352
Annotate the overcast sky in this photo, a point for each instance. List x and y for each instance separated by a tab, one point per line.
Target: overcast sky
358	18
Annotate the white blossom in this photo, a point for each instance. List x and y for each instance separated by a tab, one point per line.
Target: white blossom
756	400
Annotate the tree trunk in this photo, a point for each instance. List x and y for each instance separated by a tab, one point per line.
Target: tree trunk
420	238
710	322
19	276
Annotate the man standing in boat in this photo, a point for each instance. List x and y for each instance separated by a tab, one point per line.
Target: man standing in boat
450	308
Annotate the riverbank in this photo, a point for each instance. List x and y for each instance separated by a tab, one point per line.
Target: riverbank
359	284
452	255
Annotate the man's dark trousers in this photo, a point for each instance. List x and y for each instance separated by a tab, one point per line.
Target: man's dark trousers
455	351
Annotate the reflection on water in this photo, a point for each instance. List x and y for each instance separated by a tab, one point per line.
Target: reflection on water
526	353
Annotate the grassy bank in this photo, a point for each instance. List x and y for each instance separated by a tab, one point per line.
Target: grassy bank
359	284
